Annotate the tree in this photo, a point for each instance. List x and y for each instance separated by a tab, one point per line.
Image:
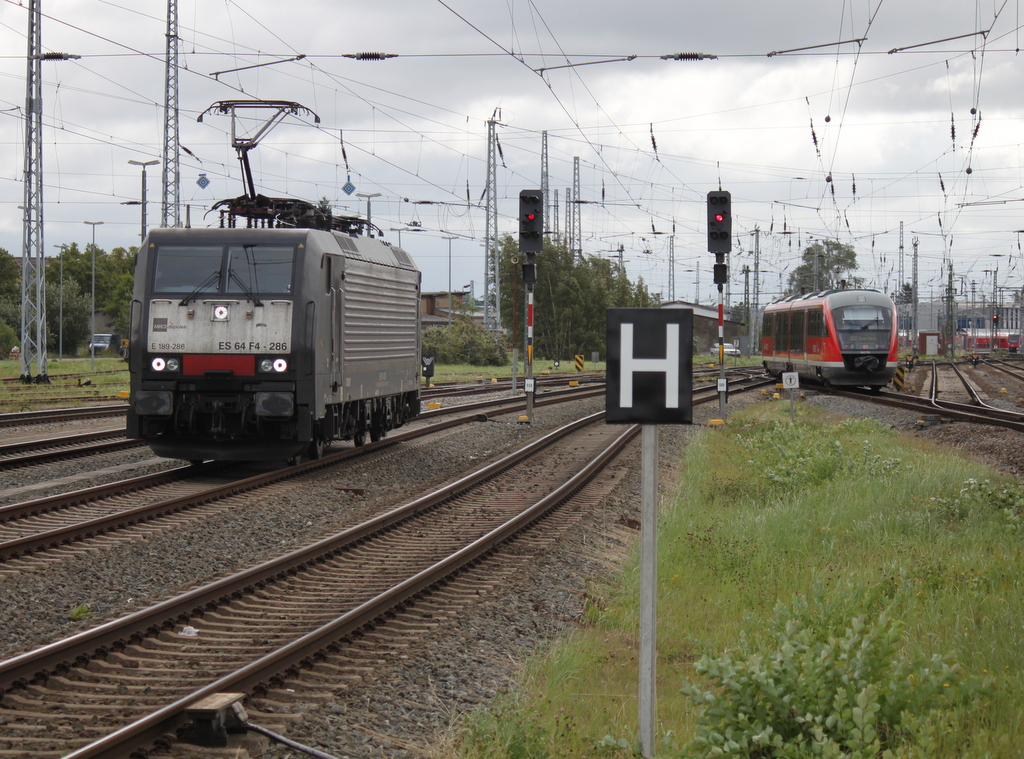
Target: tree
77	324
464	342
115	276
571	297
10	297
825	265
10	276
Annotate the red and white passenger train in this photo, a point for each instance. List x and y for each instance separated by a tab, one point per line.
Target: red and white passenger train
845	338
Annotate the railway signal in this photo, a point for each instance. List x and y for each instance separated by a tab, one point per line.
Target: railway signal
531	242
531	221
719	221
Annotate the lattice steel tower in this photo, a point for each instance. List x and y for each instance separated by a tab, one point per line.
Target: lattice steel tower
171	170
33	288
577	225
33	259
545	198
492	295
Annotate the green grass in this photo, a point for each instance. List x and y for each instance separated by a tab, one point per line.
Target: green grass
66	387
467	373
788	538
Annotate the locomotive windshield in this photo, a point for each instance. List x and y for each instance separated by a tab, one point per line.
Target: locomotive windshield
863	327
232	269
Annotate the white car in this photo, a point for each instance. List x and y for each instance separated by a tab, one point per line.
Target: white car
99	343
731	350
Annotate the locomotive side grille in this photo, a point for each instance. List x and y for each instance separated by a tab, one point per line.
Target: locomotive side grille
381	317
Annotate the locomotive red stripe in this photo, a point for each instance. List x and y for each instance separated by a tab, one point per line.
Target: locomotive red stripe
199	363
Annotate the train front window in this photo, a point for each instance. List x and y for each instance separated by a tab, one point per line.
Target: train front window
259	269
863	327
200	269
864	318
182	268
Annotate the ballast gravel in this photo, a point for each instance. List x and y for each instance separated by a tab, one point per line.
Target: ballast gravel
456	667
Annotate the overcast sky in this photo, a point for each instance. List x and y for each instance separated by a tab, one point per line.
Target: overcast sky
823	119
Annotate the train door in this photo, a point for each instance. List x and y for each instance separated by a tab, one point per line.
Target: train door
781	332
798	340
817	331
335	294
767	335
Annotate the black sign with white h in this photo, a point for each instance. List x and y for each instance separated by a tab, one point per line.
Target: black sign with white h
650	366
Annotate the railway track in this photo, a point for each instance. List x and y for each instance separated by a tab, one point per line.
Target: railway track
49	416
256	626
952	395
38	531
126	670
48	450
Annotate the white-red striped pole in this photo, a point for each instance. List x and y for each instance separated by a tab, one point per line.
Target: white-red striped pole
528	360
721	352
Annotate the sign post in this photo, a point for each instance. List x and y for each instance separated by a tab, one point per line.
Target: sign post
650	382
791	381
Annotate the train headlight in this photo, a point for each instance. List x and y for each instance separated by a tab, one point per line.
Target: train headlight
278	365
160	364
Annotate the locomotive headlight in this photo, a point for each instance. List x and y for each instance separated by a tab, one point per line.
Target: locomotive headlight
220	313
160	364
268	365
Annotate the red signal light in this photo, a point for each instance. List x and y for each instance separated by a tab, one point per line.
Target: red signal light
719	216
531	217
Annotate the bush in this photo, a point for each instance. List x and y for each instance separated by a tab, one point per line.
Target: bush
819	694
8	338
464	342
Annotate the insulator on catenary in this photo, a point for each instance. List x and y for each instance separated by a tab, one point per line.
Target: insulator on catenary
370	56
688	57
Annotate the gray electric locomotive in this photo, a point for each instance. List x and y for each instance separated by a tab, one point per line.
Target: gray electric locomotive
269	343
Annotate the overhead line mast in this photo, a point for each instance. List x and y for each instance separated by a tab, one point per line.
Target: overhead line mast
33	256
492	294
33	289
171	174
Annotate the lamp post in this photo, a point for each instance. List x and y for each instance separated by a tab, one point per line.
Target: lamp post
60	315
449	238
368	196
92	321
404	229
143	164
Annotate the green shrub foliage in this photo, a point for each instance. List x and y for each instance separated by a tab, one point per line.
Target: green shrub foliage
852	694
464	342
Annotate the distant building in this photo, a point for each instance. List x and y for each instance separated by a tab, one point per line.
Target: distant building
705	325
437	311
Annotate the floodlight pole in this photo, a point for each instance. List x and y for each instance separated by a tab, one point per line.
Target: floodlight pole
142	198
92	322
